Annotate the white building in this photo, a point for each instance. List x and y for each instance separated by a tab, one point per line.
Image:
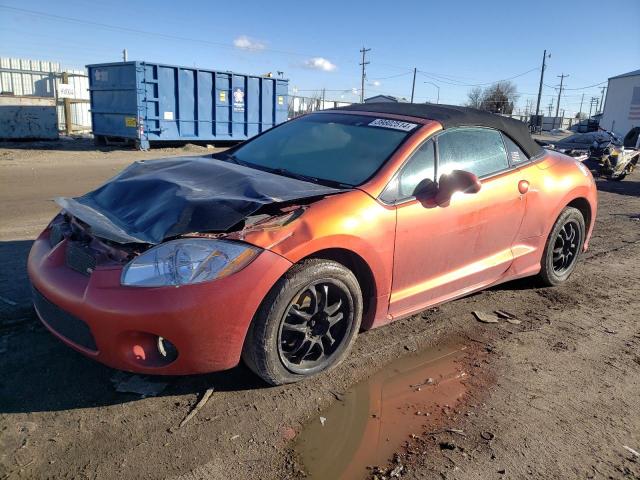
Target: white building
385	99
622	106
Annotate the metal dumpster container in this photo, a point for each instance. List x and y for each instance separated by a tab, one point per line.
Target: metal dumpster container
28	118
150	102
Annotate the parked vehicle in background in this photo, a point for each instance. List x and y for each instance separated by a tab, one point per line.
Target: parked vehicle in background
585	125
580	143
610	158
603	152
280	250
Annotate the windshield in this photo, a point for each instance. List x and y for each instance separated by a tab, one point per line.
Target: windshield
333	147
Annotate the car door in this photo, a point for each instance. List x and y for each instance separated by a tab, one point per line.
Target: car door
443	251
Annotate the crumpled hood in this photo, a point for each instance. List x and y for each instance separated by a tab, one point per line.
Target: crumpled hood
150	201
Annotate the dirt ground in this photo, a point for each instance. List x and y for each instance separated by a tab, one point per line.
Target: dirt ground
554	397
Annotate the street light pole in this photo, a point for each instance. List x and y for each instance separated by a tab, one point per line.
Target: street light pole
431	83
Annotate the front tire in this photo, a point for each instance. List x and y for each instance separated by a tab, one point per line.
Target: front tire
563	247
306	324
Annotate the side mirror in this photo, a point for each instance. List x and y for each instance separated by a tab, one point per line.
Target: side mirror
426	189
456	181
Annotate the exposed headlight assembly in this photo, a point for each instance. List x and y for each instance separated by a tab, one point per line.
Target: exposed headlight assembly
187	261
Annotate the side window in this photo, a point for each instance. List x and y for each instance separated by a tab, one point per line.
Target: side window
420	166
515	153
477	150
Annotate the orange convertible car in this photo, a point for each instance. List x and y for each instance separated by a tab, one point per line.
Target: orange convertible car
279	250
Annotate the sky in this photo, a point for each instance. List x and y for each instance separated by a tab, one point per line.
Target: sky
454	44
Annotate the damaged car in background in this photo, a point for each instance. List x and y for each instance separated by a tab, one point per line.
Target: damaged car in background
602	151
281	249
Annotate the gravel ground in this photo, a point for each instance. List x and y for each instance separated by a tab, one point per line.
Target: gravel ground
554	397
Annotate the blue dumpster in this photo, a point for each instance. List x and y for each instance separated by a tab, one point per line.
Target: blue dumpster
149	102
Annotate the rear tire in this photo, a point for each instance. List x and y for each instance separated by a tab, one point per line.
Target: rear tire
306	324
563	247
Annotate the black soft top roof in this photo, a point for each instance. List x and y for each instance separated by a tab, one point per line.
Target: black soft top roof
453	116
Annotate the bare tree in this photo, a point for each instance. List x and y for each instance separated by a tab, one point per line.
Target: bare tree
474	97
500	97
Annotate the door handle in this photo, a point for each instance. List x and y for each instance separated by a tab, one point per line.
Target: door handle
523	187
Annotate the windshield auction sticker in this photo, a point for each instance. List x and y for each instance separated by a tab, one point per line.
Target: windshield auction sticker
395	124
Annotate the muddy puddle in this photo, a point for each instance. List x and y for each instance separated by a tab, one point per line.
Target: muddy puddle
373	420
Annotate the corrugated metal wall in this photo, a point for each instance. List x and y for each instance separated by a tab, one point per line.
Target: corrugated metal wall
38	78
27	77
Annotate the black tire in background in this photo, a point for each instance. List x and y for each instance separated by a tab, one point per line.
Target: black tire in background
563	247
299	315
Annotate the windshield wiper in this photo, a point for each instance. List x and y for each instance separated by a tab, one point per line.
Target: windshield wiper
308	178
289	173
229	157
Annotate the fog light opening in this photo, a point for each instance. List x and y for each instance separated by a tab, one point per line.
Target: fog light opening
167	349
147	349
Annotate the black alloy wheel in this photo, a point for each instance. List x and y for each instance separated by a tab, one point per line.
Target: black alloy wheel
314	326
565	248
306	324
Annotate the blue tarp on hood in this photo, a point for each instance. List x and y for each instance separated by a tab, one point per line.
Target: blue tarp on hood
151	201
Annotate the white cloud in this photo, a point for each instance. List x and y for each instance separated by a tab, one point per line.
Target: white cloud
247	43
319	63
375	83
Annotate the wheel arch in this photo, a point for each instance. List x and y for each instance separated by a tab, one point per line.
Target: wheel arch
362	272
583	205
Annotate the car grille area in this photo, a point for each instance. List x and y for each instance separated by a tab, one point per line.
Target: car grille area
67	325
80	259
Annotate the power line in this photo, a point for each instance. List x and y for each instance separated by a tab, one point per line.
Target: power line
392	76
588	86
141	32
478	84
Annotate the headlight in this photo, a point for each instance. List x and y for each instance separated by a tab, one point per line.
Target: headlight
187	261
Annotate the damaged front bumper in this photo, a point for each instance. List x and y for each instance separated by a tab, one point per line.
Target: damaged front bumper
130	328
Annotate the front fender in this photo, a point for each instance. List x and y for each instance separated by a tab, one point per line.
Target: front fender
351	221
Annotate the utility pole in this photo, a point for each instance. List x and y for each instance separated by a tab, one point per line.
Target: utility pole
364	73
602	98
544	65
559	95
323	94
124	55
560	92
592	103
550	106
413	86
581	100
